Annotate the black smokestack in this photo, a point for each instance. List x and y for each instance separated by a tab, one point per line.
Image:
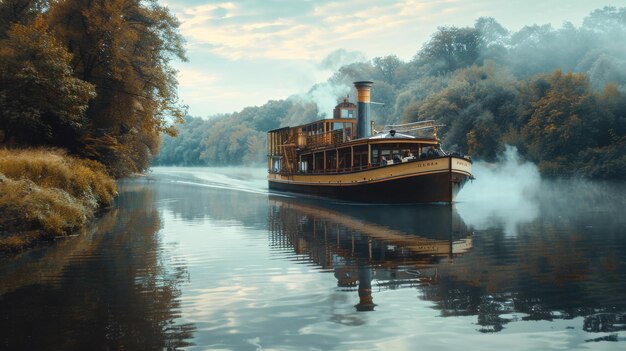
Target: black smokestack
364	122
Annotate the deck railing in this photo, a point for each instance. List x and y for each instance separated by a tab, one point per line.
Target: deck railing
333	137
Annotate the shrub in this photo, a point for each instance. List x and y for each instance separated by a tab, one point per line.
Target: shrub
46	193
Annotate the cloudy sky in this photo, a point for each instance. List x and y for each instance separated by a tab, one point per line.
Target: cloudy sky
245	52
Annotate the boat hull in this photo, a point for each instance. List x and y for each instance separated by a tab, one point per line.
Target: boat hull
424	181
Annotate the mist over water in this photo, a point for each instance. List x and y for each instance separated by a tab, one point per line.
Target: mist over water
512	192
505	190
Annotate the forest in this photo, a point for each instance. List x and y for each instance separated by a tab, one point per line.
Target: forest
557	94
92	77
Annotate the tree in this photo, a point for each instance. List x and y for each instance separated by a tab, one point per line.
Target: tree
476	107
449	49
608	20
494	39
18	12
41	102
565	118
124	48
387	67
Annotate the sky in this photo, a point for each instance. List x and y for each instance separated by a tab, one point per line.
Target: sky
246	52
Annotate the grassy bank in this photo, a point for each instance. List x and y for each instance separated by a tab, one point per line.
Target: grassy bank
46	194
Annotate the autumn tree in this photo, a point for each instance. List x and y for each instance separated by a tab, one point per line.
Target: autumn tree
18	12
124	48
562	116
41	102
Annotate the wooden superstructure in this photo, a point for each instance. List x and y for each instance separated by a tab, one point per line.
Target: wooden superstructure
340	158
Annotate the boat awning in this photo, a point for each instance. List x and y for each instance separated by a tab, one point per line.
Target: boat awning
395	136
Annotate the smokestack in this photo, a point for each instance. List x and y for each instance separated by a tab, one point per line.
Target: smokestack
364	122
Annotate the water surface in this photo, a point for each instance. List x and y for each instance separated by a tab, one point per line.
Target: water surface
208	259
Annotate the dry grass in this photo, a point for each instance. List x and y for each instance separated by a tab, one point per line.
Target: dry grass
49	193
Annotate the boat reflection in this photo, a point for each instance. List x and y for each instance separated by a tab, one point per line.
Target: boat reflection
392	246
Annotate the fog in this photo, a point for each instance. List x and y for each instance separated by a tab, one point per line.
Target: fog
511	192
506	190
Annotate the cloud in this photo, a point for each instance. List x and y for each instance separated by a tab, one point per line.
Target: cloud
305	31
193	77
248	43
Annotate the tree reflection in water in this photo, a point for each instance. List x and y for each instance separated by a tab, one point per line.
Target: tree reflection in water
539	276
108	289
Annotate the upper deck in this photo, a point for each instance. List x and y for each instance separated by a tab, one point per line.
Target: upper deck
326	146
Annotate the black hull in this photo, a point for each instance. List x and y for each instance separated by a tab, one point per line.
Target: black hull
421	188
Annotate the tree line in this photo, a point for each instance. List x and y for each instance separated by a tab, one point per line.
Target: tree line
558	94
89	76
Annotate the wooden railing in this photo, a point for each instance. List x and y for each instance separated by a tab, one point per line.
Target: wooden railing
334	137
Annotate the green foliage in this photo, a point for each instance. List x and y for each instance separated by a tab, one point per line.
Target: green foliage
490	86
476	105
235	139
185	148
449	49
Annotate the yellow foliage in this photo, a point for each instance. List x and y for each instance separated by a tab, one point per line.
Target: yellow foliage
82	179
46	193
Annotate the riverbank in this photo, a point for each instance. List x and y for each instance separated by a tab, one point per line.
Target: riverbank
46	194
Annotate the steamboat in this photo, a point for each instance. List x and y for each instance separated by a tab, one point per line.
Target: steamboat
345	158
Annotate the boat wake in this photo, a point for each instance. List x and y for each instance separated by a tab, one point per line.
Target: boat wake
249	180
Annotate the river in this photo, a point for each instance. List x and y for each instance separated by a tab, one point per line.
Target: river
205	258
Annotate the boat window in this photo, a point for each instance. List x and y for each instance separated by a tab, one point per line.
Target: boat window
319	162
345	161
347	113
331	164
360	156
374	161
303	166
276	164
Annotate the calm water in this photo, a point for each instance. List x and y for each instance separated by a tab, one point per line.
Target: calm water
207	259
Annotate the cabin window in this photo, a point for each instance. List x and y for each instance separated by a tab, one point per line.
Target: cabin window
360	156
331	160
319	162
345	159
374	161
304	166
306	163
276	164
347	113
